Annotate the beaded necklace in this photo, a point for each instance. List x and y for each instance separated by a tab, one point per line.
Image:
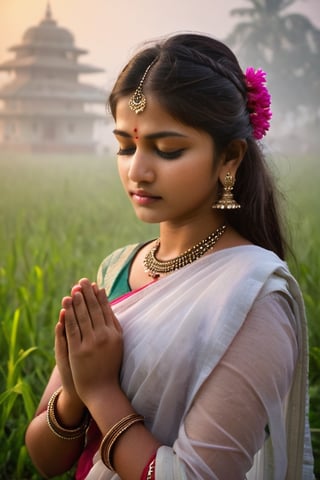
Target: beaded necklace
155	267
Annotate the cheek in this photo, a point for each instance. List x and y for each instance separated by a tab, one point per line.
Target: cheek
195	183
196	175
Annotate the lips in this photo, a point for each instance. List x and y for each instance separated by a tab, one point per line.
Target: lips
143	193
143	198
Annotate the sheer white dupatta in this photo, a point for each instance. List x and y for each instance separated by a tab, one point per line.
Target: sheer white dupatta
175	333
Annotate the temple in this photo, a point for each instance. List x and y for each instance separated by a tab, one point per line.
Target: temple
44	107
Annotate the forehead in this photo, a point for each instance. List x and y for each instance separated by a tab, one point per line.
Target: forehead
154	116
154	123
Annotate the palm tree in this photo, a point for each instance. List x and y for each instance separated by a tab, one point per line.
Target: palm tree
287	46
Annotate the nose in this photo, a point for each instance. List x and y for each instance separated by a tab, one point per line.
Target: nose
141	168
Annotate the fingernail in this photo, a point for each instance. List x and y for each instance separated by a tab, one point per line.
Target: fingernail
76	288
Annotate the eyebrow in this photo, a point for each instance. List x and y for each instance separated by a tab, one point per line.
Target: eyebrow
150	136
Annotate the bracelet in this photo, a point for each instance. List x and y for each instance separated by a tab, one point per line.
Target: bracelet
113	434
148	471
57	428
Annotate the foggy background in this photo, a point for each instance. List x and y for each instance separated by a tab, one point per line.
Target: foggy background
111	31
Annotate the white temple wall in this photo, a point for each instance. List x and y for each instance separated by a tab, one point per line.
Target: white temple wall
45	106
10	131
41	131
77	131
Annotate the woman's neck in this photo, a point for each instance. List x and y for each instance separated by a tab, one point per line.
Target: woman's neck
176	239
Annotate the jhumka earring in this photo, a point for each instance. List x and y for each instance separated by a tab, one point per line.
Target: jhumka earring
227	202
138	101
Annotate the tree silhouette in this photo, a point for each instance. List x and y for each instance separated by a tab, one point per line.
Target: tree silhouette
287	46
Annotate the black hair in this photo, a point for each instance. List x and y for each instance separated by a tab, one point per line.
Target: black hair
198	80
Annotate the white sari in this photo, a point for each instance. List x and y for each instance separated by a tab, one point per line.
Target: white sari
177	333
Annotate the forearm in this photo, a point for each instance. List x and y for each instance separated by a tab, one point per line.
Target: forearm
51	454
133	448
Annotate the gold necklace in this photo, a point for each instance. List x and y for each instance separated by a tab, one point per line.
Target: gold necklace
155	267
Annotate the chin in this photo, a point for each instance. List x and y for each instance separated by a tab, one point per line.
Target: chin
145	219
148	217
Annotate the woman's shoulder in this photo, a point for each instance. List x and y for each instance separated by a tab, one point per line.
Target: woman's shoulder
114	264
120	253
233	245
248	255
117	258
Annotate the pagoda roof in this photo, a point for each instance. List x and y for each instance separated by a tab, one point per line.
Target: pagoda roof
48	33
49	63
40	45
45	46
57	90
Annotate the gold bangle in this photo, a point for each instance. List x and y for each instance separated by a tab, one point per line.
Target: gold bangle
57	428
113	434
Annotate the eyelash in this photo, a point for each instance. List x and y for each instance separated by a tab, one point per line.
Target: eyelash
166	155
126	151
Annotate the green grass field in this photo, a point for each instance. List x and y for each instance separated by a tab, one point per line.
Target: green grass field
59	218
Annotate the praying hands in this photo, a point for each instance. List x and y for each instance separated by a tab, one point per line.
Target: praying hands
88	343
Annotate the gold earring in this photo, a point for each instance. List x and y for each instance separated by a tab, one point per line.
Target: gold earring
227	202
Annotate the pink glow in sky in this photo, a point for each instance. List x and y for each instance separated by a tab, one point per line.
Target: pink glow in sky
111	30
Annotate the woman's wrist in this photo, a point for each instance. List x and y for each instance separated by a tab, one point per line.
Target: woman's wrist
111	437
69	409
108	406
59	429
124	437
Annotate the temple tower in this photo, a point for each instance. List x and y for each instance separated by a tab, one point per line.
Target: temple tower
45	107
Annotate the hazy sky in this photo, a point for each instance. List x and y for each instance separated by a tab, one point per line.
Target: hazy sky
111	30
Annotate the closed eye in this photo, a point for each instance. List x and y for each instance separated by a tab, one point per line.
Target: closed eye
126	151
171	155
167	155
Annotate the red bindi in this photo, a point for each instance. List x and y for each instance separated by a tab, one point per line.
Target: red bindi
135	131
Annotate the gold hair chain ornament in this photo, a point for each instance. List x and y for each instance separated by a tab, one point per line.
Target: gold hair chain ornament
155	267
138	101
227	202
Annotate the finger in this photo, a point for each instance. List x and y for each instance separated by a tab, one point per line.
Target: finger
94	288
66	302
61	346
82	314
61	316
75	288
93	306
108	314
72	329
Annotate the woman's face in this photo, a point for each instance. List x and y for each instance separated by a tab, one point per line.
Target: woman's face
168	169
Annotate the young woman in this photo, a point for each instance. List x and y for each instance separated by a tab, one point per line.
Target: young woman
194	366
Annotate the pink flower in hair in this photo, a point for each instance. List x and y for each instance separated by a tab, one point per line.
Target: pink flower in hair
259	101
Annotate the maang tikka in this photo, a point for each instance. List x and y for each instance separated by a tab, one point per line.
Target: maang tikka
227	202
138	101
